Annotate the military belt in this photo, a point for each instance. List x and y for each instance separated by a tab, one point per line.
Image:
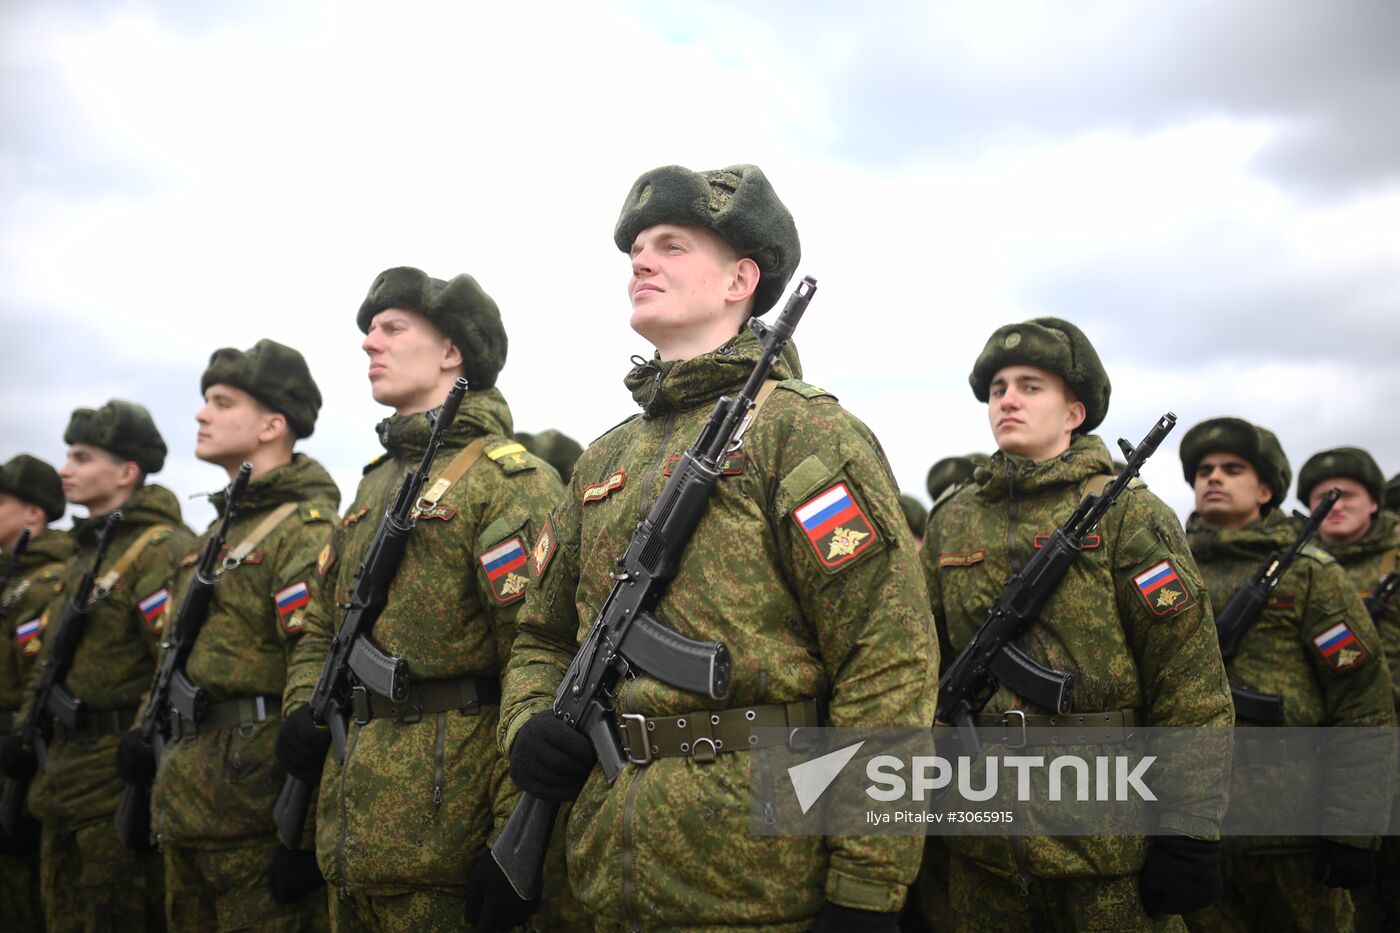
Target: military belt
8	720
465	694
244	711
705	734
94	724
1010	728
1270	750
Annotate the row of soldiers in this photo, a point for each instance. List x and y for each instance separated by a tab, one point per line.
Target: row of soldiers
804	565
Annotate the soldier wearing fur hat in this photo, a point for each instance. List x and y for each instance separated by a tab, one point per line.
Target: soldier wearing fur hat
1137	654
1360	532
1314	646
31	498
554	447
422	787
213	796
89	880
812	615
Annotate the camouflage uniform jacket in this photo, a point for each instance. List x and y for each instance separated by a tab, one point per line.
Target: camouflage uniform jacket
1365	562
1156	654
115	661
416	802
35	584
218	787
669	845
1281	652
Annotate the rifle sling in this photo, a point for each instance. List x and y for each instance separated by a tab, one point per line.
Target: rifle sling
110	578
265	528
458	468
1388	562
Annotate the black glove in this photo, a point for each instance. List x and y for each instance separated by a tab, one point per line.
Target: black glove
833	918
136	761
1343	866
492	904
24	840
550	759
17	760
1181	875
293	874
301	746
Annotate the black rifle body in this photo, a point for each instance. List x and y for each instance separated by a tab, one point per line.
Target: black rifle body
36	729
352	651
991	657
1379	601
134	809
626	638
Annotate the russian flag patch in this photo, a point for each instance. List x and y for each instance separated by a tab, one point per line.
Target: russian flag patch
27	636
504	565
835	526
292	598
1340	647
153	608
1163	589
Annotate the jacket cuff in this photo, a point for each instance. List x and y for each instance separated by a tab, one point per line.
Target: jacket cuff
862	894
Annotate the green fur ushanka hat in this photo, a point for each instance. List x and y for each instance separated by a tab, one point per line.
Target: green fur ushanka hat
34	481
556	448
1351	462
1236	436
460	309
737	203
275	375
1051	344
1392	493
124	429
950	471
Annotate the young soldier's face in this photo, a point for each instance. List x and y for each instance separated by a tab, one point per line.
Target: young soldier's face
232	425
15	515
1229	491
408	356
1032	412
1350	517
91	475
682	281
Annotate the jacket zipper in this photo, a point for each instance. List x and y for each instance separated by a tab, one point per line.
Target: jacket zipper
649	480
344	816
438	755
1013	515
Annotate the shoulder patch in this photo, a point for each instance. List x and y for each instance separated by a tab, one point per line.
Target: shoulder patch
315	513
289	601
27	635
353	517
1318	554
805	389
505	569
962	558
324	561
597	492
374	463
1163	589
154	609
835	526
1340	648
512	457
543	551
443	513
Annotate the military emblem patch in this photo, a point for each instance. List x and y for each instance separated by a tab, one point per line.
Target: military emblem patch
505	568
963	558
1340	647
324	561
290	599
254	556
27	636
1162	589
443	513
1282	601
353	517
543	550
600	491
153	609
835	526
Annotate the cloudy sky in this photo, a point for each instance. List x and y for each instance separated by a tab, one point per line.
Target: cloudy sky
1211	190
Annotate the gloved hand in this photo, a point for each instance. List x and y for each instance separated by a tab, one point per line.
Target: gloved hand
136	761
1181	875
301	746
17	760
293	874
492	904
550	759
1343	866
833	918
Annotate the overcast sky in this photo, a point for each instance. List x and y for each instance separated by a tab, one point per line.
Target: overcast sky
1210	190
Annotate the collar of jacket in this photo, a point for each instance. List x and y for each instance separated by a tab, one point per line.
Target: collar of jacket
1257	540
49	546
679	385
1380	537
483	412
1006	473
149	505
302	480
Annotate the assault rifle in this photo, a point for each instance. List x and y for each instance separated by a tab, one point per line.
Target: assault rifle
172	688
1379	601
1244	608
37	727
626	638
16	556
352	652
992	658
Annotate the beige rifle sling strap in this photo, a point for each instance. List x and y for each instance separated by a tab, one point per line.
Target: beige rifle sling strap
763	392
110	578
265	528
1388	562
455	470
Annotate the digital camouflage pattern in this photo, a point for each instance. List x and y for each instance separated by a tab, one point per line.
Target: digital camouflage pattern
669	845
213	796
1127	649
416	803
90	881
1347	688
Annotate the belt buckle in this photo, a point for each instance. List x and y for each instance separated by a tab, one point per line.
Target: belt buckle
1006	738
641	722
359	705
